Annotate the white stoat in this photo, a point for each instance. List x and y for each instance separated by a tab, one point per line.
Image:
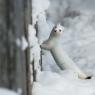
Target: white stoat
62	59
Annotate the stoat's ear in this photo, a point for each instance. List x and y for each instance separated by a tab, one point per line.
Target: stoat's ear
60	26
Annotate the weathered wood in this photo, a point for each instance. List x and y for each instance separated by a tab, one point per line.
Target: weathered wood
8	49
27	16
14	63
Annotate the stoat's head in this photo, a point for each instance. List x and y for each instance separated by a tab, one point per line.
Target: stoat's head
57	30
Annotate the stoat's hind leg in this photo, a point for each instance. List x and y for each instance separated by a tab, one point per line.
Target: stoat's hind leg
89	77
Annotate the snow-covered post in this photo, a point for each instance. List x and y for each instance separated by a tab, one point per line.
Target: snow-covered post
38	8
34	51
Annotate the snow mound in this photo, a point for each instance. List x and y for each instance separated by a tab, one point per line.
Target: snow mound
38	6
6	92
65	83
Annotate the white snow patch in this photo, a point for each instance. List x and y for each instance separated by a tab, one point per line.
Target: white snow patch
43	28
33	44
65	83
7	92
38	6
22	43
78	39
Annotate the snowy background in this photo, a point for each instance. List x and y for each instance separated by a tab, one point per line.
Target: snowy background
78	18
4	91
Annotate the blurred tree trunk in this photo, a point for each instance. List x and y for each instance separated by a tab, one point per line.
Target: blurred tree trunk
27	17
14	63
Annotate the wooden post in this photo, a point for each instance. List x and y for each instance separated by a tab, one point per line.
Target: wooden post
14	62
27	17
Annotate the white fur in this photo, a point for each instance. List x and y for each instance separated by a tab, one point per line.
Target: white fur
62	59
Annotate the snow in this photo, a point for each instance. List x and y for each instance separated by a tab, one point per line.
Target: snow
78	41
7	92
65	83
22	43
38	6
38	10
34	46
43	32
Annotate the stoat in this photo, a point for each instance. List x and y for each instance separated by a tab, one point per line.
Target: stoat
54	45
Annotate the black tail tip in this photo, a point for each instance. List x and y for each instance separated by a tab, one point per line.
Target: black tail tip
89	77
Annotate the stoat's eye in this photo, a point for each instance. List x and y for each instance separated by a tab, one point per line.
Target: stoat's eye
55	31
59	30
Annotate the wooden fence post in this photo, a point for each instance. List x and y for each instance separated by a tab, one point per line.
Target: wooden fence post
14	62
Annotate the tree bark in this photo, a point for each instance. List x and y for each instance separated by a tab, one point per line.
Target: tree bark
27	17
14	65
